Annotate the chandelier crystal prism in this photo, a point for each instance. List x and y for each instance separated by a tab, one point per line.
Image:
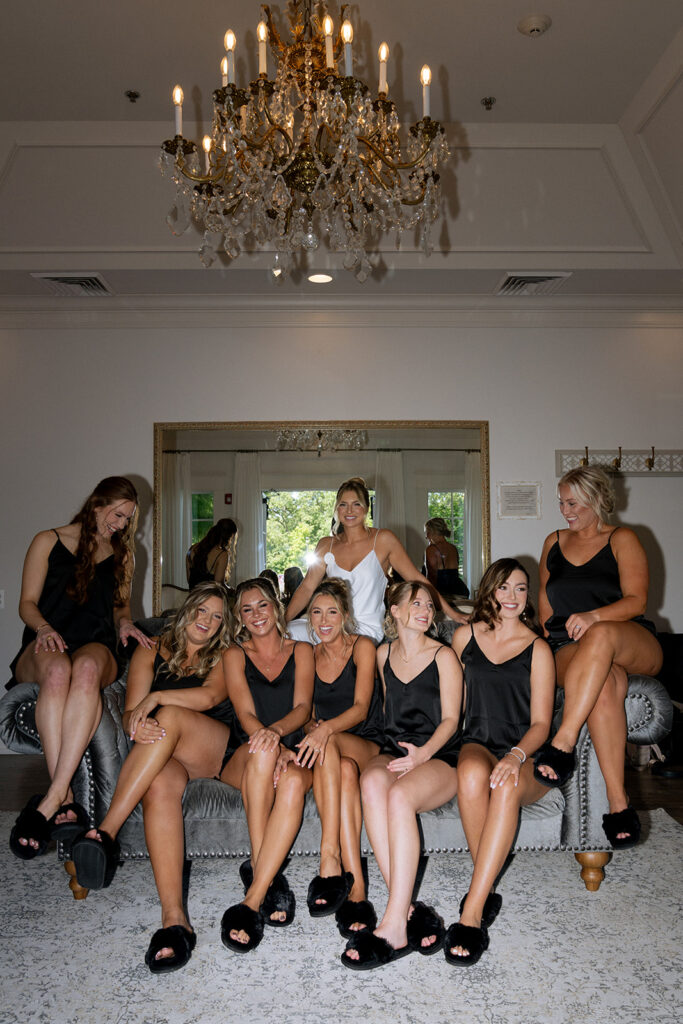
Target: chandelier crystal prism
307	157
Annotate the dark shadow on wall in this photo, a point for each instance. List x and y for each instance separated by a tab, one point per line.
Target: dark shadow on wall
653	551
142	555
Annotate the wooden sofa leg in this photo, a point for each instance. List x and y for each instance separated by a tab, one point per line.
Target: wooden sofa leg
592	863
79	892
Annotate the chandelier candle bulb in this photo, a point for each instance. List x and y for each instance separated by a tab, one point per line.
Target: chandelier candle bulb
383	54
206	145
327	29
178	101
347	36
230	43
224	72
262	33
425	78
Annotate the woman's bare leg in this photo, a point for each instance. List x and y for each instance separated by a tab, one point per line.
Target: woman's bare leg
252	774
607	727
165	836
194	740
68	710
430	785
585	672
327	786
422	789
281	829
346	755
351	827
496	838
274	814
375	784
475	765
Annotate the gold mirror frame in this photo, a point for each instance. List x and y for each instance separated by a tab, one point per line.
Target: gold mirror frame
481	425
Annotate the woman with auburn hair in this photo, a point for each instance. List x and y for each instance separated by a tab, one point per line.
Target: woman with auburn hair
592	600
270	685
415	772
213	557
361	556
75	596
510	685
346	730
180	730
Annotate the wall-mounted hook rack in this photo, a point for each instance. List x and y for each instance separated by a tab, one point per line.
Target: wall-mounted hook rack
632	461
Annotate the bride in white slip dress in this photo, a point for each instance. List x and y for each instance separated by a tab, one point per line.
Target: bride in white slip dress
361	556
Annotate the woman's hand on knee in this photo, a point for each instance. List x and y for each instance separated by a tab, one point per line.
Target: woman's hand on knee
148	731
313	746
140	712
283	762
507	768
263	739
579	623
49	640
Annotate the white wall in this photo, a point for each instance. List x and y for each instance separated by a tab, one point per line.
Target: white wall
80	403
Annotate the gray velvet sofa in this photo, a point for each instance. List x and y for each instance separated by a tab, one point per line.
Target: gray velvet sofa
568	819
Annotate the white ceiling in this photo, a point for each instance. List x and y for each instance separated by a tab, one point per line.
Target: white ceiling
72	61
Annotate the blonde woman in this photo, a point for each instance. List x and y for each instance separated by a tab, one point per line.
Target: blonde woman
270	684
171	692
593	596
415	772
361	556
346	731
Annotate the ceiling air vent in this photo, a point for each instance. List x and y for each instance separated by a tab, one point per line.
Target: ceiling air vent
70	285
532	283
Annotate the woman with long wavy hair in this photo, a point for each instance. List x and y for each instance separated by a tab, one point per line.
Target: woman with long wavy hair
213	557
180	727
75	602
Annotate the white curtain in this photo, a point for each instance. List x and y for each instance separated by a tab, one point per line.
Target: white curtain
472	568
177	518
250	515
390	502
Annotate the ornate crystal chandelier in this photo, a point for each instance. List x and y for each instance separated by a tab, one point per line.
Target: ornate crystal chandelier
308	155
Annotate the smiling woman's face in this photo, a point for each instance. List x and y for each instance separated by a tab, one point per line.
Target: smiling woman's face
256	612
415	613
207	621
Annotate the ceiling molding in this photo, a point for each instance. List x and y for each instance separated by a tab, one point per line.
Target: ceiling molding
415	311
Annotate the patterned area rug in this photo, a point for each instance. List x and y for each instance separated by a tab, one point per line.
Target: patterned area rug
558	953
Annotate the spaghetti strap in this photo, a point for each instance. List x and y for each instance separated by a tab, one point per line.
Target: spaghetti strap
55	533
376	536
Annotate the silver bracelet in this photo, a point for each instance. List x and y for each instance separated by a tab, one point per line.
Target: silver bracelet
521	759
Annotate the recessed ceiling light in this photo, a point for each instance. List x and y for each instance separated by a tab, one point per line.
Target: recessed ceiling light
320	278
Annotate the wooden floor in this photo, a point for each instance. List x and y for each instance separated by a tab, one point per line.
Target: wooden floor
22	775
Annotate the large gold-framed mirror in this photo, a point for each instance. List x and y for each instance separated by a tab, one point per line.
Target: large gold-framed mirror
405	463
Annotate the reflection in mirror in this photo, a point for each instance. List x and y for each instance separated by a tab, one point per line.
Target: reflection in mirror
204	472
